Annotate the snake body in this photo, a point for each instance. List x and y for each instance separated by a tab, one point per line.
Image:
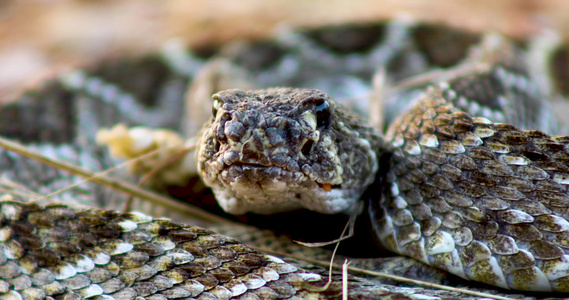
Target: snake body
483	200
55	251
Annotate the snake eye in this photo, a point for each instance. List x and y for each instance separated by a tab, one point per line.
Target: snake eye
322	114
214	107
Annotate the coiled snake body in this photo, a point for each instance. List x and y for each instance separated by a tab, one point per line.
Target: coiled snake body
457	184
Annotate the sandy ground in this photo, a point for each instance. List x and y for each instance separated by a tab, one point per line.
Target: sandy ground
39	38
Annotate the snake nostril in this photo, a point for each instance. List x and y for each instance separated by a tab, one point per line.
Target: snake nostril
216	146
307	147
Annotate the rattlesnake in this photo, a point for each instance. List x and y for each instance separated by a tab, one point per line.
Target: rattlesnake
481	160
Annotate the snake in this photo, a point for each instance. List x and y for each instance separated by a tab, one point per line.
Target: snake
465	178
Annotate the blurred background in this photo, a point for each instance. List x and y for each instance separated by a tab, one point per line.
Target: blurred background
40	38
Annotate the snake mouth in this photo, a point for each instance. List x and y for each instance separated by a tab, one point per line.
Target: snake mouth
261	174
328	187
266	187
325	186
253	180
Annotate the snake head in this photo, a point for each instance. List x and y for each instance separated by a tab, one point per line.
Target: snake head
282	149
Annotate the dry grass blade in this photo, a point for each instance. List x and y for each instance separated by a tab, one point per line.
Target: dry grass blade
345	280
351	224
115	184
382	275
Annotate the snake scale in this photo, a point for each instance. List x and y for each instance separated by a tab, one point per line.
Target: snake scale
467	177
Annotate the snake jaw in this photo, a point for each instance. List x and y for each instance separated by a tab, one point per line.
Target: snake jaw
284	149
